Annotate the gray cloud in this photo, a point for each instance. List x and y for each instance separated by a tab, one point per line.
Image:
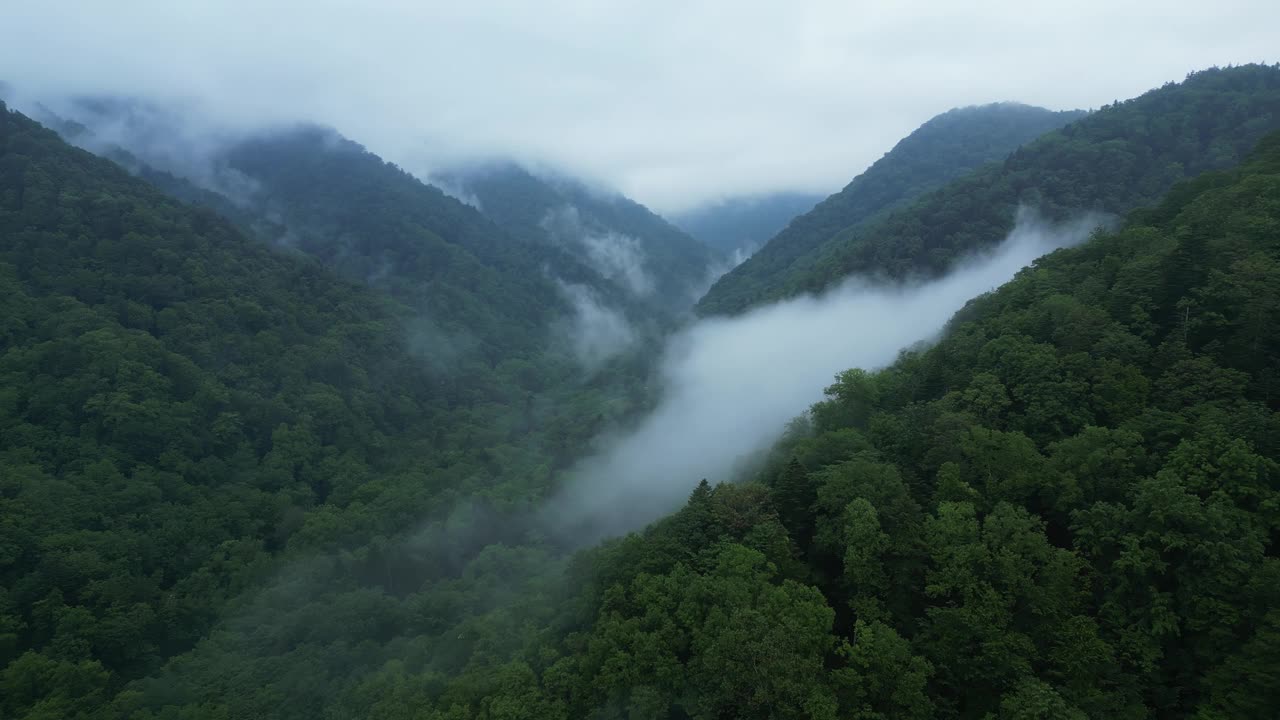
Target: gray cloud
456	192
596	331
674	103
614	255
174	138
731	385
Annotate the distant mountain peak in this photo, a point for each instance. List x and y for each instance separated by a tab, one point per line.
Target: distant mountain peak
954	184
639	251
943	148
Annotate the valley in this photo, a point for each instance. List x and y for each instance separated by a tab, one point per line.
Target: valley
289	431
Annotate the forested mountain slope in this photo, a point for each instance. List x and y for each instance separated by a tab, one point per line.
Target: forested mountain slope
369	219
310	189
657	263
1068	508
1118	158
232	485
183	408
944	148
743	224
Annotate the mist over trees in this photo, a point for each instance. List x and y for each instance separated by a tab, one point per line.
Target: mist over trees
1120	157
729	368
184	404
741	225
287	432
655	262
944	148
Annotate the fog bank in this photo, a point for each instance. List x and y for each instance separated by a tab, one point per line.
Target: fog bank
674	103
595	331
617	257
730	385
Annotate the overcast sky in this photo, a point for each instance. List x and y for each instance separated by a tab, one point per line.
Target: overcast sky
674	103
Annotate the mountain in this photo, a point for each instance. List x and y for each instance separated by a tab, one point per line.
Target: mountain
944	148
240	480
1067	508
1118	158
740	225
312	190
186	410
641	253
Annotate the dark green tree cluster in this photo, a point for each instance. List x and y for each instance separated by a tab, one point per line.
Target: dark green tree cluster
1119	158
185	412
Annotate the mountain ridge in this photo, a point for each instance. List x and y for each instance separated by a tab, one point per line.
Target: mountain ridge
1113	160
943	148
659	264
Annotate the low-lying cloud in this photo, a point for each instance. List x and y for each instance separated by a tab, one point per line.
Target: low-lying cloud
732	384
596	332
617	257
456	191
171	138
672	102
720	268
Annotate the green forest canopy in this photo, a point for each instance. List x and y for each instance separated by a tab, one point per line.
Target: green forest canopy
215	462
182	404
1068	508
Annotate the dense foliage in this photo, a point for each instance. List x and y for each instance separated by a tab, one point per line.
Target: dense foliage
373	222
234	485
1121	157
608	231
181	406
1068	508
743	224
944	148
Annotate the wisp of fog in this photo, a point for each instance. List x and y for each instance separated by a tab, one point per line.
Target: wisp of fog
730	385
596	332
617	257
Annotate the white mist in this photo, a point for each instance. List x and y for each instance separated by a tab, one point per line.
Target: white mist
730	385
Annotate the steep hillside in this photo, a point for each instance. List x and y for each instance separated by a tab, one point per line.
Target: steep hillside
371	220
308	478
948	146
183	408
1118	158
309	189
741	225
1066	509
644	255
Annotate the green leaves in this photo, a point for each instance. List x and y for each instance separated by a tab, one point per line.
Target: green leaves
228	488
728	640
